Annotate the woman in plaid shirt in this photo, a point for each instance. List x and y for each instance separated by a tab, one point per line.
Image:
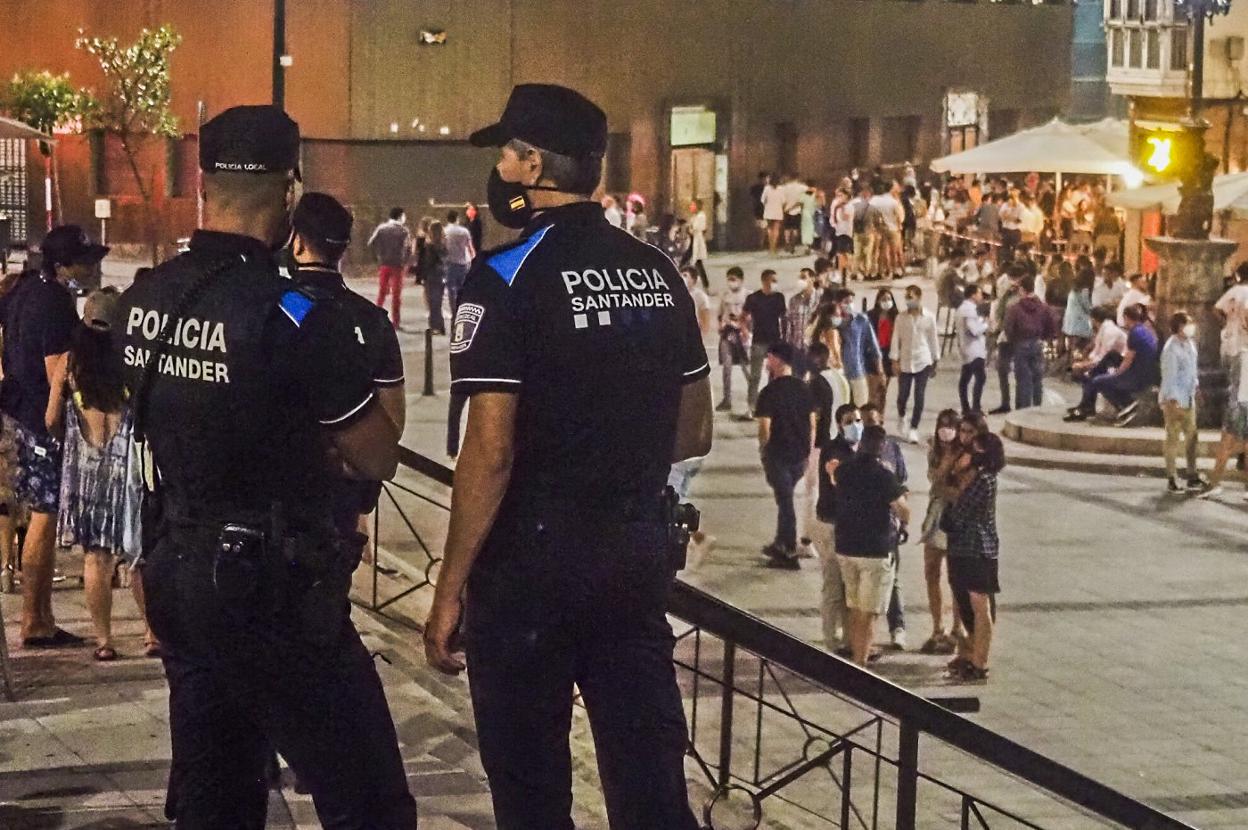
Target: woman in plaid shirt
970	521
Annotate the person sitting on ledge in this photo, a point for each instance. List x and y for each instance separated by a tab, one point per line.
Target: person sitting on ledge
1109	344
1140	369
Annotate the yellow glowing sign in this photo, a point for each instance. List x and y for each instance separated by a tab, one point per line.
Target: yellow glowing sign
1159	159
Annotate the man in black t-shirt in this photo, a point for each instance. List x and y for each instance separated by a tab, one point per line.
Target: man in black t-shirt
868	500
38	317
764	314
786	430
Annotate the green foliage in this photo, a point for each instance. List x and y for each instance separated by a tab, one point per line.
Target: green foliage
44	101
136	97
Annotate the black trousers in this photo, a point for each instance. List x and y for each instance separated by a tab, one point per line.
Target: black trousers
972	371
577	612
241	685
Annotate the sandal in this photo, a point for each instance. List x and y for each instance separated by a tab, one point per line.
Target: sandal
105	654
932	644
958	665
153	650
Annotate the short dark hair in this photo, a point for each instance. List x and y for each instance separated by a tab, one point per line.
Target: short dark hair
784	351
1178	320
1115	266
1100	314
1028	284
1016	271
323	249
396	213
822	264
843	410
767	272
873	439
452	216
569	173
972	289
991	459
868	407
735	271
840	295
818	352
1135	312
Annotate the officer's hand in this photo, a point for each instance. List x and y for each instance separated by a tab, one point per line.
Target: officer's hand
440	629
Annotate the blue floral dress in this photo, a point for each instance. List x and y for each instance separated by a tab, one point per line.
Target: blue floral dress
101	488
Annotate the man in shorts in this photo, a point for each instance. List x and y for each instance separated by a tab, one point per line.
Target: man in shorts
871	510
38	316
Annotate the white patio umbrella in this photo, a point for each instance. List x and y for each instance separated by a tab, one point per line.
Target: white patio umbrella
1099	148
1230	192
10	128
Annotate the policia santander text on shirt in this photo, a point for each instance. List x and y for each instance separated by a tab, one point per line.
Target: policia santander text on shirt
251	394
581	353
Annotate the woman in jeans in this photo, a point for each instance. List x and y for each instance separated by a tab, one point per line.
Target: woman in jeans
970	520
883	317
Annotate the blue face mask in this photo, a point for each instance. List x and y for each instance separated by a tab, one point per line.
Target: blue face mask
853	432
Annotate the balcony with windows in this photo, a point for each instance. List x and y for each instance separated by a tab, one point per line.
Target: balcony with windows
1148	48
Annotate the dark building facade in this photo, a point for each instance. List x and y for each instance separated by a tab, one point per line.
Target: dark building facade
700	96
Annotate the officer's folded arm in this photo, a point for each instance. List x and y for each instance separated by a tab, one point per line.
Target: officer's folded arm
481	477
695	422
369	444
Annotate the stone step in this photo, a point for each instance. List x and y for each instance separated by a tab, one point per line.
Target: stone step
1043	427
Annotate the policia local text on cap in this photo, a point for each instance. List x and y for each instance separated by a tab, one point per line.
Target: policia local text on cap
249	394
580	350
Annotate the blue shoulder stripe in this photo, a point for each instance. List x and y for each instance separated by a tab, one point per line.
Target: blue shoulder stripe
296	305
507	263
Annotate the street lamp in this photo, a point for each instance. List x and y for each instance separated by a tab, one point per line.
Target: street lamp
1195	215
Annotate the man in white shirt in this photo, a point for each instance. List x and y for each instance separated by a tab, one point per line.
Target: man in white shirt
1137	294
1232	309
915	349
1109	288
1108	346
794	189
972	329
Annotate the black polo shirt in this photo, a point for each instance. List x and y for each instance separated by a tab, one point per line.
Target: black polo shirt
38	316
238	410
787	403
384	357
595	332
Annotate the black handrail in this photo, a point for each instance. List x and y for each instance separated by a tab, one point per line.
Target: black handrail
914	713
731	624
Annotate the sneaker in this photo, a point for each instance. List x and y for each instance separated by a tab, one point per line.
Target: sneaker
784	563
743	417
1210	492
1196	484
913	436
805	549
724	406
1173	488
1127	410
1000	410
901	425
898	639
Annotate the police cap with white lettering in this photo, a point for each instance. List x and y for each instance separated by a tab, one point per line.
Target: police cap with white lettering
551	117
322	217
250	139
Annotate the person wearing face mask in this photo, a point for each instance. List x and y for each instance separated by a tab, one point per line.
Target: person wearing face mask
798	318
917	347
839	449
1180	378
253	396
580	351
860	350
734	335
883	317
944	451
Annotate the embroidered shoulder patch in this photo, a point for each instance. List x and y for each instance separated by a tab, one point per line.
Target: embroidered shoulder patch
467	320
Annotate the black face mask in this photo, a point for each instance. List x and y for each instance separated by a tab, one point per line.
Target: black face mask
509	201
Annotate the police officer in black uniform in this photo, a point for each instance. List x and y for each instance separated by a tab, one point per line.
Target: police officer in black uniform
322	232
250	394
580	351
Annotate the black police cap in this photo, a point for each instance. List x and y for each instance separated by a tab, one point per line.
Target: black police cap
69	245
321	216
551	117
250	139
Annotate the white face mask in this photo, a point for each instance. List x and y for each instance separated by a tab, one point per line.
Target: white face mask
803	285
886	305
1189	331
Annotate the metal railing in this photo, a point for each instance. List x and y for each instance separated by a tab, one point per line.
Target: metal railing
779	727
